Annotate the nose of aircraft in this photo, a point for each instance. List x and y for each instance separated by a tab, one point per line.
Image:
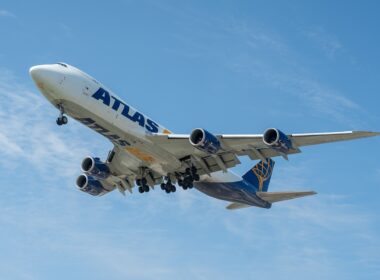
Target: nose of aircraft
35	72
46	76
41	72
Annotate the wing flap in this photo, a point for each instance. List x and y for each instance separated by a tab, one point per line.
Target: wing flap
280	196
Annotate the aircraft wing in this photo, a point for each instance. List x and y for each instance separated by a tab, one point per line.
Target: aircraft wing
252	145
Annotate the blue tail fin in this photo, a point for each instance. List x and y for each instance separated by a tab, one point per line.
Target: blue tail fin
259	176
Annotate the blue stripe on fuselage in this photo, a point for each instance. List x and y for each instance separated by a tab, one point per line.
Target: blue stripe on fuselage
240	191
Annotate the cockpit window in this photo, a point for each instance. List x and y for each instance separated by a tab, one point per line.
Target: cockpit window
62	64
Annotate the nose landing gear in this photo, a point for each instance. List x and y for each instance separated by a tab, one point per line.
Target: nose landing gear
62	119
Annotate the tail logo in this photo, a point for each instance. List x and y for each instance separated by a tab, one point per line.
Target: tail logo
263	172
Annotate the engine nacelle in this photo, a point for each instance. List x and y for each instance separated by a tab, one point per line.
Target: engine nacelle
277	140
95	167
204	141
90	185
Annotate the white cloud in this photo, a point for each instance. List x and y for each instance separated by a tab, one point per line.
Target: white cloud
321	98
28	132
272	60
255	37
329	43
5	13
304	234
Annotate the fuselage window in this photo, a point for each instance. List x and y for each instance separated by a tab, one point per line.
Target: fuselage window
62	64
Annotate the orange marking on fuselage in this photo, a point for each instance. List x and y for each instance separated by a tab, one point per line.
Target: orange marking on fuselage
140	154
166	131
40	85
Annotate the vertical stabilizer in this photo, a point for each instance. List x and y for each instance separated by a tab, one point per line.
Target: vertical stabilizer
259	176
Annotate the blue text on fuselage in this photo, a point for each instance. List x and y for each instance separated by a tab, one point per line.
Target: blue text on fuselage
137	117
105	132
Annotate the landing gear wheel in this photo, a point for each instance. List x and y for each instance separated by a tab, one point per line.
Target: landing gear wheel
146	188
143	181
196	177
167	191
173	188
64	120
184	187
141	190
163	186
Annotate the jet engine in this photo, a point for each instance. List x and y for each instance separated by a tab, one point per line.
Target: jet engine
95	167
204	141
277	140
90	185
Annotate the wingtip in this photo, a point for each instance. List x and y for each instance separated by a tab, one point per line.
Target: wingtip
310	193
370	133
374	133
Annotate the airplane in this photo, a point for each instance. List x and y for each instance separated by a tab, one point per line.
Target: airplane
146	154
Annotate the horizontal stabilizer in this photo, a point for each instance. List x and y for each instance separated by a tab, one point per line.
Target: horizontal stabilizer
280	196
237	205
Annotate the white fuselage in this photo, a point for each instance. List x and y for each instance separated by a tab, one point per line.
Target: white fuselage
90	102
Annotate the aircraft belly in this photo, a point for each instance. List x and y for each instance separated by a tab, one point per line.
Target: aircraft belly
233	192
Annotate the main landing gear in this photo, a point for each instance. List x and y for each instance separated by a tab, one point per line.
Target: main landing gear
168	187
62	119
187	180
184	180
143	186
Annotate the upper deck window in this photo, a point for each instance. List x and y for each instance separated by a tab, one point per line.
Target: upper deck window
62	64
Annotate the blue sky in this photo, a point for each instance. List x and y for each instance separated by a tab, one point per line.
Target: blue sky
227	66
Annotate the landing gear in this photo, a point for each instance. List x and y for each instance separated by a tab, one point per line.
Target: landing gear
142	183
184	180
194	173
168	187
62	119
189	177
